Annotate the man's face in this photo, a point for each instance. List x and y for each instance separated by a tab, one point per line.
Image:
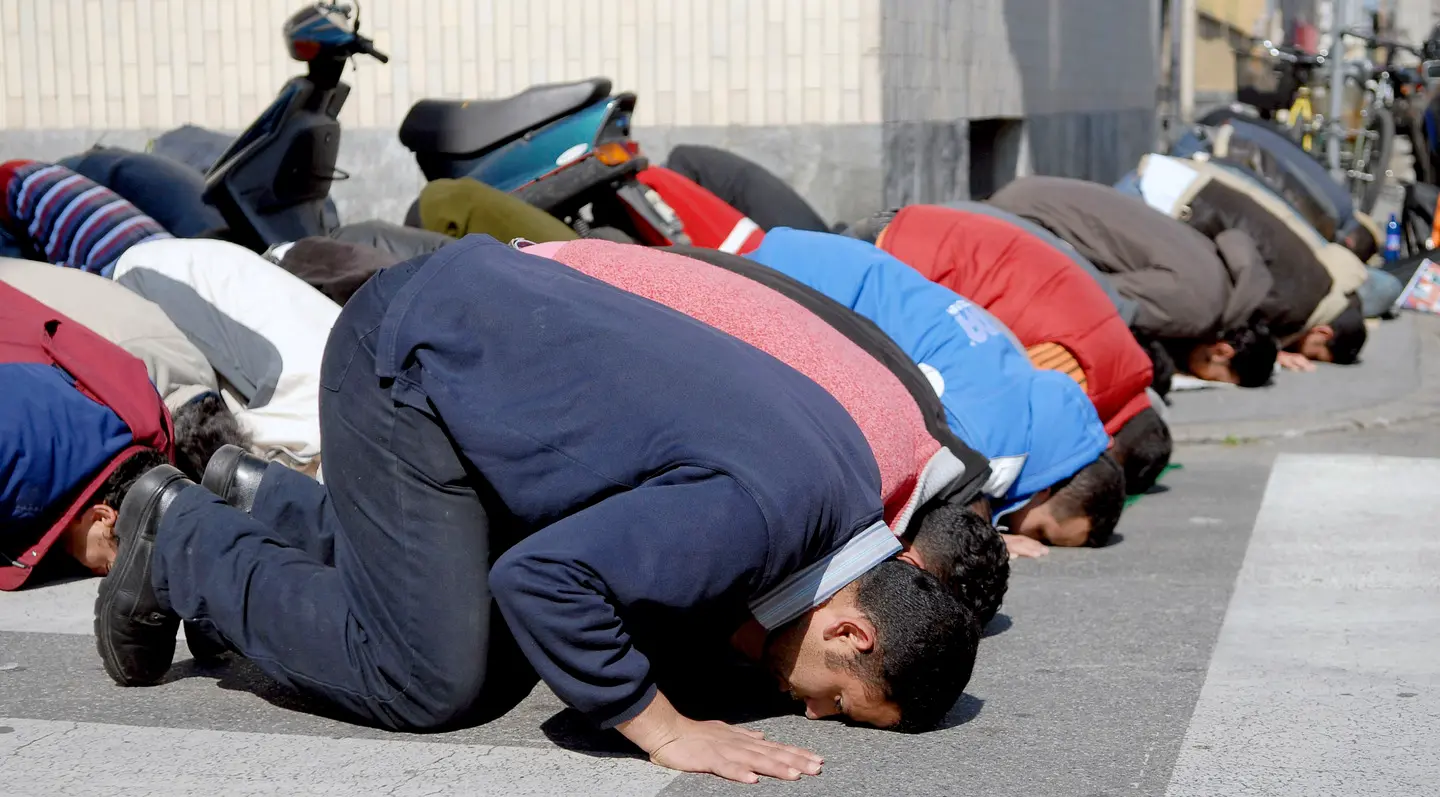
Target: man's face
809	659
90	539
1211	362
1315	344
1036	521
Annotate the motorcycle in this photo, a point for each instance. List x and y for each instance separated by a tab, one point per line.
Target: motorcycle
562	147
271	184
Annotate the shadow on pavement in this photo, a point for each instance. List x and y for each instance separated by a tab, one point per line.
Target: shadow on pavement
237	674
967	708
999	624
570	730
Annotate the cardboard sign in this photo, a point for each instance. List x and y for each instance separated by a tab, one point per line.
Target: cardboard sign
1423	292
1164	181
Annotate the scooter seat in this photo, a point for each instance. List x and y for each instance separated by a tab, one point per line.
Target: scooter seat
469	128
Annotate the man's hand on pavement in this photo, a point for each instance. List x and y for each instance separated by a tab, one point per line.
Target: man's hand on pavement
739	754
1294	361
734	753
1024	546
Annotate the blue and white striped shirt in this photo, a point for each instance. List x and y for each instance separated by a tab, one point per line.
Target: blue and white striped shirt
820	580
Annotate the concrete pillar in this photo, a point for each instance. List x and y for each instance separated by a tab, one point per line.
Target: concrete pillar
1185	32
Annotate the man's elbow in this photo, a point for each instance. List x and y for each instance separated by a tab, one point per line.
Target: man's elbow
509	577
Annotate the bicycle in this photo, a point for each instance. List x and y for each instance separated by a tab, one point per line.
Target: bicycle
1385	107
1277	86
1367	124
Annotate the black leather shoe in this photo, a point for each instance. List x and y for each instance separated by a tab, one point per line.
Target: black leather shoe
206	648
134	635
234	474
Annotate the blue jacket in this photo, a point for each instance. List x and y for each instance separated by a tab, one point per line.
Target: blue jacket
664	475
73	407
52	439
1037	427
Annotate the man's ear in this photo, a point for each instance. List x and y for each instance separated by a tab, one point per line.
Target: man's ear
855	628
1325	332
1222	352
105	513
911	555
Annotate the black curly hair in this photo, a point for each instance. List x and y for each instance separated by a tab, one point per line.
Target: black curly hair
1350	333
1096	492
926	642
1143	447
967	554
1255	352
202	426
1162	364
112	491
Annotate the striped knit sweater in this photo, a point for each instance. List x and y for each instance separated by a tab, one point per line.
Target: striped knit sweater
70	220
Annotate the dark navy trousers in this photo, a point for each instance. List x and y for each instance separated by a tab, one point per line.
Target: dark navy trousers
368	592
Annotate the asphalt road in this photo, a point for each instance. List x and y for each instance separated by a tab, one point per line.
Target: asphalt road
1217	648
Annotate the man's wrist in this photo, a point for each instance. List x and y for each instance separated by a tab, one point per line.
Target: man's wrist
655	726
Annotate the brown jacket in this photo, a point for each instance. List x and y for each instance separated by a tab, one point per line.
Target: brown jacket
1187	286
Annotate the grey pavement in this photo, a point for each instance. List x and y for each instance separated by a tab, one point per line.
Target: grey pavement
1191	657
1397	380
1087	691
1324	678
1103	662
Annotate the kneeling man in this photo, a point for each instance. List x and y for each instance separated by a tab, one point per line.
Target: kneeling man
629	485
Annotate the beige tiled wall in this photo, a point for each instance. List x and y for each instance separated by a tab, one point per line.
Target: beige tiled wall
125	64
949	60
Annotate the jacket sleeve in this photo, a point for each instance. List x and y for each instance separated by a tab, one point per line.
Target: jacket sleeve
1167	304
687	539
1250	280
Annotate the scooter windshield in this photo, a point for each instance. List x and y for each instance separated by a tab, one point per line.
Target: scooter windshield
268	121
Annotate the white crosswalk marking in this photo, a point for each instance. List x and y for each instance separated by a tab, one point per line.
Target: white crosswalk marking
42	758
1323	681
67	608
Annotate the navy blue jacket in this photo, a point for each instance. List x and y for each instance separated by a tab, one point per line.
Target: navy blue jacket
664	473
163	189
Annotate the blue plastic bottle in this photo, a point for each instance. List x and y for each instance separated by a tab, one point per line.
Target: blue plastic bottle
1392	240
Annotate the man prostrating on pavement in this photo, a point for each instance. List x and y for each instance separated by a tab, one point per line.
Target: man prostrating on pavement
627	483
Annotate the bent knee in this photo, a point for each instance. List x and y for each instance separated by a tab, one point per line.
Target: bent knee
433	706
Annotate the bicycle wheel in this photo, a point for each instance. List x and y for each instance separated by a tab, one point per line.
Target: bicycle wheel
1371	159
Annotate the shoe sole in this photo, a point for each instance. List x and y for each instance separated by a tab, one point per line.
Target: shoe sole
124	562
227	461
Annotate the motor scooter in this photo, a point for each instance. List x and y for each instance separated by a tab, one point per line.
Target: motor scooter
272	182
563	147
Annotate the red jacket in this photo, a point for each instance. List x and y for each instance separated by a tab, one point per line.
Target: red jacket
30	332
1035	290
710	222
